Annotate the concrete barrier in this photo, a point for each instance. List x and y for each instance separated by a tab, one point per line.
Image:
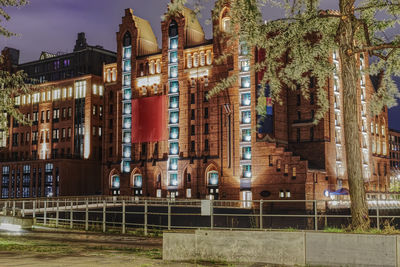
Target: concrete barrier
335	249
179	246
284	248
25	223
251	246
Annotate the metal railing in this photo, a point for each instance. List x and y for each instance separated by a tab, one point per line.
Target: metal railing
123	214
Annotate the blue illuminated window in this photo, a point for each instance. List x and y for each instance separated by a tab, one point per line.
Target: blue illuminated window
244	51
127	94
174	117
247	171
173	43
127	137
127	108
127	151
174	133
213	178
246	153
246	135
127	52
138	181
173	71
174	102
173	179
173	164
173	57
174	148
245	65
245	82
127	123
115	181
126	167
127	80
246	117
127	66
246	99
173	87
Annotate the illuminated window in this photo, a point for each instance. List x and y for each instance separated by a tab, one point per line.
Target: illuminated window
383	130
158	66
202	58
64	92
174	148
174	133
294	172
245	82
70	92
246	135
173	179
173	87
80	89
188	193
246	153
246	197
246	117
101	90
108	75
152	67
94	89
115	182
173	57
286	169
195	60
246	99
247	171
173	164
189	60
226	24
126	151
28	99
56	94
209	57
137	181
173	71
288	195
17	100
114	74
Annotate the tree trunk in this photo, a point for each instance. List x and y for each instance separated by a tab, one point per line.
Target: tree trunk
349	77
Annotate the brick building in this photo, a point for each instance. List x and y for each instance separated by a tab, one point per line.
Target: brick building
394	144
60	153
212	147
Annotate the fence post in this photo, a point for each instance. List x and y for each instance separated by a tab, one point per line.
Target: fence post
23	209
212	214
145	217
45	213
315	216
87	216
57	212
104	216
261	214
13	208
169	216
123	217
71	215
377	216
34	209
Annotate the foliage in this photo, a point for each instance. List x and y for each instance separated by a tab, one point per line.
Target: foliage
11	84
4	15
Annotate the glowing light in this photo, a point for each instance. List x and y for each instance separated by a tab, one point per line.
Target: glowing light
174	133
127	94
173	87
174	118
127	52
174	148
326	193
174	102
127	123
173	72
173	43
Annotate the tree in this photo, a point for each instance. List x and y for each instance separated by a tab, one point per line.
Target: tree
11	83
306	37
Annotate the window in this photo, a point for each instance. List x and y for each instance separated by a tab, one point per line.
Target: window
100	111
312	99
69	112
56	114
205	113
64	113
278	165
192	99
63	133
94	110
294	173
56	94
247	199
192	130
192	146
69	132
206	130
298	100
192	114
100	131
206	145
94	88
286	169
48	115
189	60
213	178
226	24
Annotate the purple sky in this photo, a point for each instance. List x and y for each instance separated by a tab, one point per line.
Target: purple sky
52	25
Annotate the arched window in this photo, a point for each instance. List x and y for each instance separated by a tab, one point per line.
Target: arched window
137	181
127	39
189	61
173	29
226	24
212	178
115	182
114	74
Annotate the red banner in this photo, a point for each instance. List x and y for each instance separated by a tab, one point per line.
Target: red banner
149	119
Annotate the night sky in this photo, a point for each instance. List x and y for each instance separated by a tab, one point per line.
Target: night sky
52	25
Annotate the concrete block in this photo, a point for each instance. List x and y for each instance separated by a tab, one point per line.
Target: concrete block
251	246
179	246
334	249
25	223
